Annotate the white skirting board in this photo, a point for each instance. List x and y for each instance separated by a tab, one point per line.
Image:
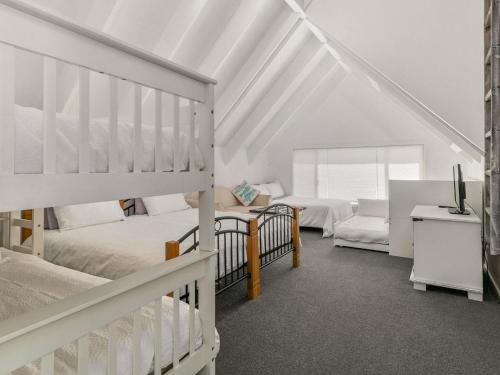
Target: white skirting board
361	245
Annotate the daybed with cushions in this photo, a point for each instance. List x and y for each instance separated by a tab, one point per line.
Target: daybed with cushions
368	229
324	214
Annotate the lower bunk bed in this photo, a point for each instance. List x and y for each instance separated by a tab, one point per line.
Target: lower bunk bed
30	284
246	243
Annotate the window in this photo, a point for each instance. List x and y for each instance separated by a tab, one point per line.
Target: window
352	173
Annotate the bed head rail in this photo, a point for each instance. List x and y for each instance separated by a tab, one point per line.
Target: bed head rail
58	41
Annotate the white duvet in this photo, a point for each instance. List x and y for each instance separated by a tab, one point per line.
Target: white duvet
367	229
28	283
29	145
117	249
320	213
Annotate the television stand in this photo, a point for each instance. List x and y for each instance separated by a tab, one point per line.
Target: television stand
456	211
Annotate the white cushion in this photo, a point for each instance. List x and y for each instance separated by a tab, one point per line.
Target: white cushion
367	229
275	190
162	204
373	207
262	188
84	215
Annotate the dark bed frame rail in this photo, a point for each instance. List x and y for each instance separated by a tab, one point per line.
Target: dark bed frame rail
246	246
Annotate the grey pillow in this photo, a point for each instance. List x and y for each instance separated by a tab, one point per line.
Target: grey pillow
50	218
140	209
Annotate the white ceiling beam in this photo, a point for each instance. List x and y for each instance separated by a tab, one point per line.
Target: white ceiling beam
390	88
234	32
315	89
283	87
267	50
182	21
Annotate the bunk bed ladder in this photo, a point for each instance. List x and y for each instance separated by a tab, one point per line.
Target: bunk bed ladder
492	128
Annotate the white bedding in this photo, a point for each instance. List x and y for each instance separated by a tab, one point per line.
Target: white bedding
366	229
114	250
29	145
28	283
320	213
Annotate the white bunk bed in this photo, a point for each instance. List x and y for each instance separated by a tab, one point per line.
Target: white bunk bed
43	331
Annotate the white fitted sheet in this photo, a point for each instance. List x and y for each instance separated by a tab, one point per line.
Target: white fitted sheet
366	229
320	213
28	283
114	250
29	145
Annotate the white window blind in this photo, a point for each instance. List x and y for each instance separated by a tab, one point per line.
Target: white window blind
352	173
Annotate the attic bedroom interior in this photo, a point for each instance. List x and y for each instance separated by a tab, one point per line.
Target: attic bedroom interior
249	187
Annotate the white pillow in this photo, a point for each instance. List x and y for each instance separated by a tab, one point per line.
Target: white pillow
262	189
275	190
84	215
165	203
373	207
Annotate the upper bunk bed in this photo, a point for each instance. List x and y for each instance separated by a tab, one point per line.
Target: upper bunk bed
88	313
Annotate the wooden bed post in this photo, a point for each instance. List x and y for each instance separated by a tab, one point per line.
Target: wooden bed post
296	237
171	252
253	282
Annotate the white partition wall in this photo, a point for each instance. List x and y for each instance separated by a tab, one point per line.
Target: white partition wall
405	195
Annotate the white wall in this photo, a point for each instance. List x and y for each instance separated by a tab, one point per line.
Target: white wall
239	169
355	114
433	49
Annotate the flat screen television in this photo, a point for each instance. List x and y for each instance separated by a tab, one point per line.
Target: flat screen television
459	192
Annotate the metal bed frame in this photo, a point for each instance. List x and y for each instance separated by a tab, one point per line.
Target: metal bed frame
246	246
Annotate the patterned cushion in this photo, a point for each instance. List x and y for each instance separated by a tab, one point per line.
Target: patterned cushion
245	193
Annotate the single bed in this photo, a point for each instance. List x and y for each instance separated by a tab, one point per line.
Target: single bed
30	283
323	214
368	229
123	246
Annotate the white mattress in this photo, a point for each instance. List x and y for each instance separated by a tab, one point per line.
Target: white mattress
117	249
29	145
320	213
28	283
366	229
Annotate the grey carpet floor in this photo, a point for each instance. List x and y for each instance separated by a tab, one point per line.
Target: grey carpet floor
347	311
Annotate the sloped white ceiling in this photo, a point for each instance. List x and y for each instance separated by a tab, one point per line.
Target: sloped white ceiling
271	66
433	49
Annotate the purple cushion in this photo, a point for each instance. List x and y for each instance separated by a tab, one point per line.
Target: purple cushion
50	219
140	209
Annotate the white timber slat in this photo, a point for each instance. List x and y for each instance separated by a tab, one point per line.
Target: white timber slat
15	231
49	114
207	236
38	232
48	364
136	342
158	130
137	129
176	123
192	141
95	50
37	190
175	331
112	348
113	125
7	109
158	335
84	117
192	309
206	130
23	223
83	355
